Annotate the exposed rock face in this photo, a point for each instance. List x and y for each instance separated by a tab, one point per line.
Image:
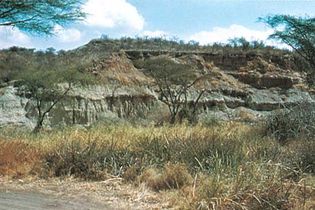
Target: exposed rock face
268	100
262	74
117	67
12	110
87	105
82	106
238	86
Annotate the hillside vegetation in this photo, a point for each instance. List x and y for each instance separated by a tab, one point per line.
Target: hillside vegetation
15	59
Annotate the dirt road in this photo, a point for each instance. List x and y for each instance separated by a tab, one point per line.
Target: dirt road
72	194
30	201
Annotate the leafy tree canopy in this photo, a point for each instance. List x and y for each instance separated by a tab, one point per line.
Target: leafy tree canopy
47	79
170	71
297	32
39	16
173	80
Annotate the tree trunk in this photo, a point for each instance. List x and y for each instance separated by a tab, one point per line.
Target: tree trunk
173	119
311	78
39	124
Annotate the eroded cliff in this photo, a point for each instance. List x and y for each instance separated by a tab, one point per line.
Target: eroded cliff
243	86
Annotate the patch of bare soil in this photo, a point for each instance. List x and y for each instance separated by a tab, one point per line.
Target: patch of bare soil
71	193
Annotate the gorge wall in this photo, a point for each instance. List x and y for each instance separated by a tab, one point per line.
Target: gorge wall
239	86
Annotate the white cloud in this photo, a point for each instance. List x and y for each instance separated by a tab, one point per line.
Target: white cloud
67	35
219	34
113	14
10	36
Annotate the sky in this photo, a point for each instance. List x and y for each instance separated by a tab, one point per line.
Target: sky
204	21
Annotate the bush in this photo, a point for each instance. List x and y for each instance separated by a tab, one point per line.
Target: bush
295	122
300	156
87	160
74	158
298	125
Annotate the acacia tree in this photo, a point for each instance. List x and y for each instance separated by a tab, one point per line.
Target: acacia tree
47	81
239	42
173	81
298	33
41	87
39	16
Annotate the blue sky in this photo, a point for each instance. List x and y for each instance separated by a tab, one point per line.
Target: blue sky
205	21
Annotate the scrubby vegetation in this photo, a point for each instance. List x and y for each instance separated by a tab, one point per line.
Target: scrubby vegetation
296	126
224	166
292	122
175	44
16	60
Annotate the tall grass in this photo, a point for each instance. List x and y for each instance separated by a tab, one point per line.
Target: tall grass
225	166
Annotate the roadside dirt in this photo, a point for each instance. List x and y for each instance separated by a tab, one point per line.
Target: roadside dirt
34	200
64	194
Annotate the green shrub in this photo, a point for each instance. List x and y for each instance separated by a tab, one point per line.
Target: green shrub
298	125
295	122
300	156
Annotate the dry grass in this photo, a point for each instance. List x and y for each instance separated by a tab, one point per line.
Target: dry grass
18	158
225	166
174	176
